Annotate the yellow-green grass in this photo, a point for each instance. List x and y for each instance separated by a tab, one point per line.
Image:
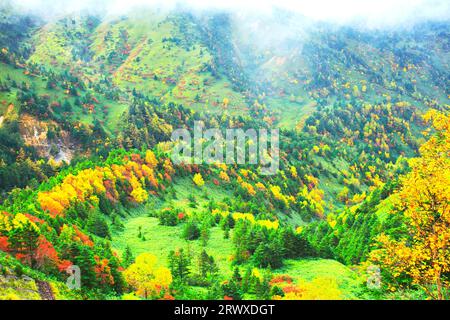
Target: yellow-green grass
152	63
160	240
309	269
290	113
39	84
185	188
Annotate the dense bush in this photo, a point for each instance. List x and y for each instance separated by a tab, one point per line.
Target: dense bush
191	231
168	217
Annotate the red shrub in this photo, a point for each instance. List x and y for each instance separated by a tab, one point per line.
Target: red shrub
4	245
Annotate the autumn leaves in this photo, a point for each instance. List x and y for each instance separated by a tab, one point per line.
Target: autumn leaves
132	177
423	256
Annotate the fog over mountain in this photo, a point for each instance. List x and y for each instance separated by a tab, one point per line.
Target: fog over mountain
354	97
367	13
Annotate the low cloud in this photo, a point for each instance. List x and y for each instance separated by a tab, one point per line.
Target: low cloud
367	13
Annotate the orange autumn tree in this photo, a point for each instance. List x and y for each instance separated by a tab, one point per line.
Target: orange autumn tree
424	199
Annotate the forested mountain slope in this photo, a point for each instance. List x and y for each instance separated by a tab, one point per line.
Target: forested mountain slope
88	103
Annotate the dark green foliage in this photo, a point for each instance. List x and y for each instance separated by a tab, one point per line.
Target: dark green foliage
168	217
371	130
207	265
207	271
227	222
127	258
268	248
268	255
191	231
83	257
262	288
24	241
97	225
232	290
180	265
295	245
105	205
350	241
116	221
215	291
276	291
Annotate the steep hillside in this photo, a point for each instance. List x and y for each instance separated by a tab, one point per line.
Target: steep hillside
327	65
156	54
88	104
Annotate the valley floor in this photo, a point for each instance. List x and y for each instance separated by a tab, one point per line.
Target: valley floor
160	240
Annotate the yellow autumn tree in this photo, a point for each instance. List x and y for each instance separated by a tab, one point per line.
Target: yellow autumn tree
148	280
248	187
424	200
276	192
198	180
293	171
150	159
139	194
224	176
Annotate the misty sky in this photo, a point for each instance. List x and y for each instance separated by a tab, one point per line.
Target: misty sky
370	13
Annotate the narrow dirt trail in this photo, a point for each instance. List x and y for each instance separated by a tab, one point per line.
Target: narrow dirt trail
45	291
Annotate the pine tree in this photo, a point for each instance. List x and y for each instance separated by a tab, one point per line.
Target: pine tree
191	231
246	280
23	238
97	225
262	288
128	257
203	263
67	107
232	289
236	276
84	258
215	292
268	255
179	263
